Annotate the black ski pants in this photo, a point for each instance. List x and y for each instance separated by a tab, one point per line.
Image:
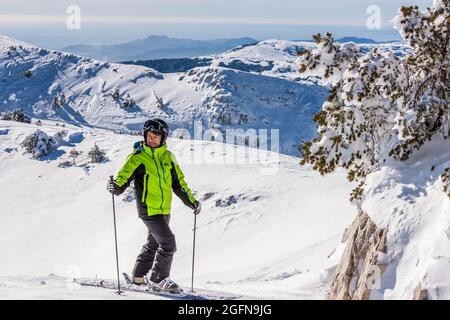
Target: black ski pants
157	253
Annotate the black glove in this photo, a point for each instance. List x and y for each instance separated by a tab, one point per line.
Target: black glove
197	207
113	187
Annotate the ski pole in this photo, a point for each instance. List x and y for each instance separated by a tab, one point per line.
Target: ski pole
193	253
115	240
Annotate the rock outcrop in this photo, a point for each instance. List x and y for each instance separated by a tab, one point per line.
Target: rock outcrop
361	267
420	293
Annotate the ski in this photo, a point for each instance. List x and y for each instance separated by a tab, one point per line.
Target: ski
201	294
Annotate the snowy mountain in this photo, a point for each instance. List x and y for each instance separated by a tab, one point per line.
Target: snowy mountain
270	57
96	93
252	238
231	92
156	47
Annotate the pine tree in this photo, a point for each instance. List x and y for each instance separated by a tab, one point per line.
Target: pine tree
427	112
129	102
39	144
380	105
445	178
159	100
16	115
115	93
97	155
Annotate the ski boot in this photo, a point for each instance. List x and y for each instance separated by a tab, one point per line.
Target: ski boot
139	281
165	285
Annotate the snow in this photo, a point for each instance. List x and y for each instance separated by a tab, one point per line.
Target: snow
280	239
52	287
271	57
269	228
408	199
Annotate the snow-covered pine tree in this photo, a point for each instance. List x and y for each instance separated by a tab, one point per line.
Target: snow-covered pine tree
97	155
115	93
445	178
427	111
159	100
16	115
381	105
129	102
58	101
62	99
39	144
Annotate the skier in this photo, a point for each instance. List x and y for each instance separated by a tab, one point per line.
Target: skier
156	173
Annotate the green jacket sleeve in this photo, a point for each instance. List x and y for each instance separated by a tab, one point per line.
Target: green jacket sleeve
126	173
179	185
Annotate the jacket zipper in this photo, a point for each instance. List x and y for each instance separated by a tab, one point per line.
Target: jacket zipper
159	180
144	192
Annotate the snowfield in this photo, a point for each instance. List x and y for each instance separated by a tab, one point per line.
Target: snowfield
265	231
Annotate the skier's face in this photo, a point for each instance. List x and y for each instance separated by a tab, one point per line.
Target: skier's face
153	139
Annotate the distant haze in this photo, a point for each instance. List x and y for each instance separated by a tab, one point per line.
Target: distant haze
109	22
157	47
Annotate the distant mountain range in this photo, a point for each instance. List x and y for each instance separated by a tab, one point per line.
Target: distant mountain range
363	40
157	47
356	40
163	47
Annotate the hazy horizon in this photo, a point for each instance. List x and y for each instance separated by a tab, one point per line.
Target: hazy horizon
44	23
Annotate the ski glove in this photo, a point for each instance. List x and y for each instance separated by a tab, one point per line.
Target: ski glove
113	187
197	207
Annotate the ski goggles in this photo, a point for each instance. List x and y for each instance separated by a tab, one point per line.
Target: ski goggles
155	126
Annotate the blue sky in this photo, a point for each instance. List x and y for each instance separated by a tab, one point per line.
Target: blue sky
43	22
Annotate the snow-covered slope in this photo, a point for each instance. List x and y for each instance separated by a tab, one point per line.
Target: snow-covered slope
398	246
259	234
271	57
216	96
408	201
277	58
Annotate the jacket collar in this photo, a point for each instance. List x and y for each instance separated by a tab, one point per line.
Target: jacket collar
141	146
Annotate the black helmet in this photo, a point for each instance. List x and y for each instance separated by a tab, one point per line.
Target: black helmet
158	126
